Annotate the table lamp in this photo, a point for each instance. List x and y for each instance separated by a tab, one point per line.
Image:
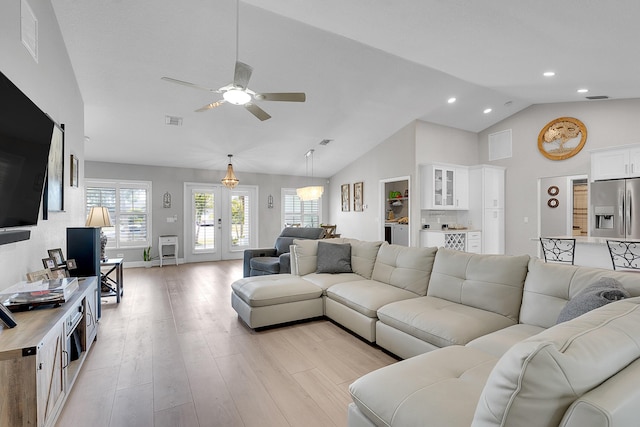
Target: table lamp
99	217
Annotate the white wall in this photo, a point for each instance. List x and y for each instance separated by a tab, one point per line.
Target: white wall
172	180
394	157
50	83
609	123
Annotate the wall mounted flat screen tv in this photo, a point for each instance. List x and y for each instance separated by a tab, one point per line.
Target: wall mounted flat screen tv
25	138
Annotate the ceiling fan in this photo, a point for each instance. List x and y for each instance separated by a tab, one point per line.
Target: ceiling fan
238	92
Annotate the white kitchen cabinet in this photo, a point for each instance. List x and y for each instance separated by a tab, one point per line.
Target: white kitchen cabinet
623	162
444	187
486	205
459	240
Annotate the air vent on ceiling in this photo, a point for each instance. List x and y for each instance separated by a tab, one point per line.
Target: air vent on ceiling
173	120
597	97
325	141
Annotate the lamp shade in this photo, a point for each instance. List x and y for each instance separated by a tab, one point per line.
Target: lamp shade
313	192
230	181
98	217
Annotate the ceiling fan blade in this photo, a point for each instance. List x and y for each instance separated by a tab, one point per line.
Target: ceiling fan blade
257	111
183	83
285	96
210	106
242	74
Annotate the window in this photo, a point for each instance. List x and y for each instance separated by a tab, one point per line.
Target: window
295	212
129	204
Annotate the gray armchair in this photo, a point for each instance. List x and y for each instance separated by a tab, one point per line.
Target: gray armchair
276	260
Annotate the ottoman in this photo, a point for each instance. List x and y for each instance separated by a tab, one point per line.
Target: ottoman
269	300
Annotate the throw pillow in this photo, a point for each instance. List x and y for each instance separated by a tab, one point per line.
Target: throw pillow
334	257
596	295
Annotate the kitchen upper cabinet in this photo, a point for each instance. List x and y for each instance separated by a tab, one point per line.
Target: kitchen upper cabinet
444	187
615	163
493	186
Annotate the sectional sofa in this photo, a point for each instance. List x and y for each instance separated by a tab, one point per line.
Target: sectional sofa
478	333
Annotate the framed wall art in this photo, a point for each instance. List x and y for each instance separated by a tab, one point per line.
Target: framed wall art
562	138
73	169
358	192
53	195
346	198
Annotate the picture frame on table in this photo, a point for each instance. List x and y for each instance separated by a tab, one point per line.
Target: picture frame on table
71	264
34	276
59	273
7	317
57	256
345	196
49	263
358	191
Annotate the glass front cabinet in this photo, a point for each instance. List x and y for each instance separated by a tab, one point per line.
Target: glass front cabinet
444	187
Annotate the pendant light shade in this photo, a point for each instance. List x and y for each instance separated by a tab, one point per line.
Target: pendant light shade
230	181
310	192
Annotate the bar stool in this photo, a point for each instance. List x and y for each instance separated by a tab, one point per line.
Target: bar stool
558	250
624	255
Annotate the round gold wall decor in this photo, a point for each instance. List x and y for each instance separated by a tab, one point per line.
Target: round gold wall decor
562	138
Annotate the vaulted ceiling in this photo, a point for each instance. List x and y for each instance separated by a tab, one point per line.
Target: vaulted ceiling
368	68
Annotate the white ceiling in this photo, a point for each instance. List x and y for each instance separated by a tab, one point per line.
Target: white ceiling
368	67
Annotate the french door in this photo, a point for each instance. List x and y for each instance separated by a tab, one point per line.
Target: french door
219	223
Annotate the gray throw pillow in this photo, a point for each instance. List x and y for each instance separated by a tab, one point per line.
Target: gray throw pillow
596	295
334	257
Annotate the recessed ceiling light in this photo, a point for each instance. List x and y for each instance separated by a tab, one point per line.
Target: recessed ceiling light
451	100
487	110
549	73
583	90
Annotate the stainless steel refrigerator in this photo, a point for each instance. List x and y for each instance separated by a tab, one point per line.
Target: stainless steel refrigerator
615	208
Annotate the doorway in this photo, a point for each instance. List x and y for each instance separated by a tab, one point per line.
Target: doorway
219	223
563	204
395	211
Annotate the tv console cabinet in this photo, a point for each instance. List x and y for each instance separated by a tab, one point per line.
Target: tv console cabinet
41	357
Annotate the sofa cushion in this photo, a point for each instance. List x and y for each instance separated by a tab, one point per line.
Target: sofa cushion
334	258
536	381
404	267
549	286
439	388
366	296
441	322
488	282
267	264
325	281
602	292
363	256
498	342
305	255
263	291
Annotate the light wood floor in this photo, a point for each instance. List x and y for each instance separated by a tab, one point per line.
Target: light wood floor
174	353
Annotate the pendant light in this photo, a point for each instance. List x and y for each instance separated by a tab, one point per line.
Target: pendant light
311	192
230	181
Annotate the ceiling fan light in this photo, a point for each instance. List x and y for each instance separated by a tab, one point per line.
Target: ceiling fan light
236	96
313	192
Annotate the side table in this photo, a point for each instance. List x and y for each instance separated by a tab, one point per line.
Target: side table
112	277
168	241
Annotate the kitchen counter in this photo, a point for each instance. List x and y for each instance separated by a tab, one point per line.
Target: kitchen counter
590	251
450	230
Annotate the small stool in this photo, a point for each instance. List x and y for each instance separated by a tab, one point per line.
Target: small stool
269	300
